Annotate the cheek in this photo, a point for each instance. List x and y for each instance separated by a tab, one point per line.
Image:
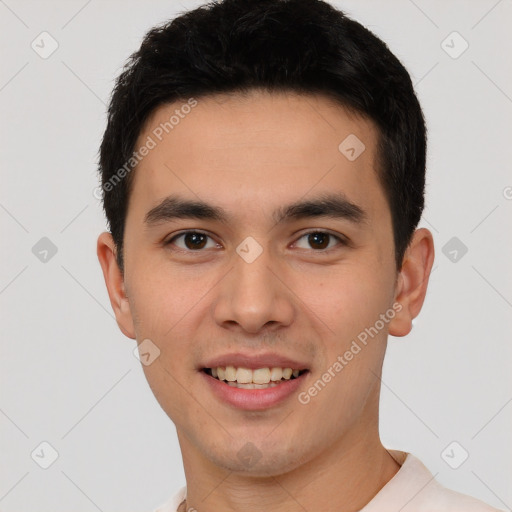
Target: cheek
345	299
168	307
161	296
164	314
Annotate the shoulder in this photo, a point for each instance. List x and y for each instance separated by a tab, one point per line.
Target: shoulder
437	497
415	489
451	501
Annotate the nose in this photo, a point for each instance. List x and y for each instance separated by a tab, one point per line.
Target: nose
253	296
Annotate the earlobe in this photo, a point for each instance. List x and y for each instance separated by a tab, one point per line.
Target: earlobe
114	281
412	281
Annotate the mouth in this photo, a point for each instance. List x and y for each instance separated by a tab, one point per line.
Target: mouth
258	378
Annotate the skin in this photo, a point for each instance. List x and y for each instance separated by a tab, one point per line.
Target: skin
250	155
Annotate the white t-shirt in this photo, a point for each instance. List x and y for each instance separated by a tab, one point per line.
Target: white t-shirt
412	489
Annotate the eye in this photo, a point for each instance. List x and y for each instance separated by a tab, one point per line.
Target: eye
321	240
192	241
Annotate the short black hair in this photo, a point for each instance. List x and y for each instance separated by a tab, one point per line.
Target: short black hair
302	46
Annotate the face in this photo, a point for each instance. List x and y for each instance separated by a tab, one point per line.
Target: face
263	274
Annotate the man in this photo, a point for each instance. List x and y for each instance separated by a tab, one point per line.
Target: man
263	172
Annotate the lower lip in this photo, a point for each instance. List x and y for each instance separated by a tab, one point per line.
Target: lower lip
253	399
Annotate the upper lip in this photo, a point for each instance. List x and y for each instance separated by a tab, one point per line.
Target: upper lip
267	360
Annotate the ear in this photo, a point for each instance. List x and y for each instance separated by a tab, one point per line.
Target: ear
114	280
412	281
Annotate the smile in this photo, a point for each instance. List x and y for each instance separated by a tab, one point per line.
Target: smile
259	378
253	389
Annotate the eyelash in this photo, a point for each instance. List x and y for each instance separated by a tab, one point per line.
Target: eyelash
341	241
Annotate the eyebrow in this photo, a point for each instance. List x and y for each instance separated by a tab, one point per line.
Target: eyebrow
335	206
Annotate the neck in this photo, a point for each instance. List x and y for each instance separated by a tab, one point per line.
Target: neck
344	478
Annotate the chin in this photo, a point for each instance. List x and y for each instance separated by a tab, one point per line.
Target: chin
263	462
261	469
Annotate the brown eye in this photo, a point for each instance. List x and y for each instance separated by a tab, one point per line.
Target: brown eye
318	240
190	241
195	240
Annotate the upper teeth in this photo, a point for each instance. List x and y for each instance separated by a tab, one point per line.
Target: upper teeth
258	376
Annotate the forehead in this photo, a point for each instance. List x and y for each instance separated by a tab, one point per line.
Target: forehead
257	148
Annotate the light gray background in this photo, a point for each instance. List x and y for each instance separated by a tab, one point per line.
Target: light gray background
69	377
